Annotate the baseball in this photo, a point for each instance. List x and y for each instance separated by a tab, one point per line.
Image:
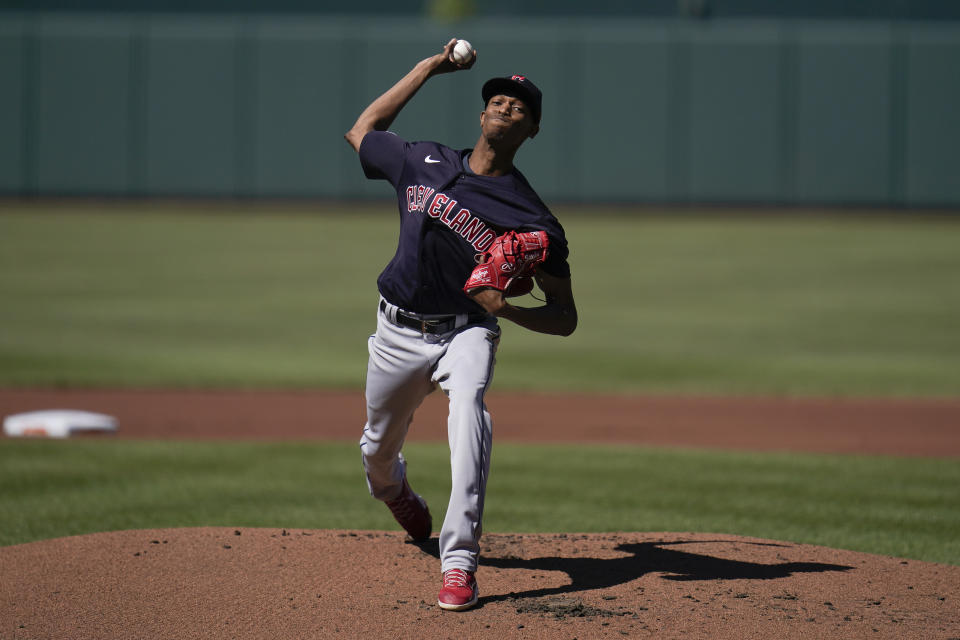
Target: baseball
462	52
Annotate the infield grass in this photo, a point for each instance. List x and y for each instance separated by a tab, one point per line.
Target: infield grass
251	296
894	506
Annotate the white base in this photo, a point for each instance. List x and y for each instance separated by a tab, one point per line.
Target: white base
57	423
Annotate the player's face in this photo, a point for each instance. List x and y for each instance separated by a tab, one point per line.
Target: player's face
508	119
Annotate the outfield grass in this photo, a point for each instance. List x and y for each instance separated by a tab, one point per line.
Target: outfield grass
900	507
675	304
786	305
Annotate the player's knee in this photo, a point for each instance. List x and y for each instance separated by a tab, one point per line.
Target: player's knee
371	451
466	396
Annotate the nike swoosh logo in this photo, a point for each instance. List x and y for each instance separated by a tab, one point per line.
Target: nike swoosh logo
430	160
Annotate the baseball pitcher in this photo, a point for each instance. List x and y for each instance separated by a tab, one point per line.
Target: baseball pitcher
473	234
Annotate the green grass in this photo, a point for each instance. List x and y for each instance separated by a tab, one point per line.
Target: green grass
901	507
249	296
144	299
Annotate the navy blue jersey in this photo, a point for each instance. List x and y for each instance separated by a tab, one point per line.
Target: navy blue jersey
448	215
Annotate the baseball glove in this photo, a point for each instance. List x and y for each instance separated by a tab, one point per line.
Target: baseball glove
509	263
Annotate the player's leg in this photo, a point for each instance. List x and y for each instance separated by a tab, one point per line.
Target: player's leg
398	379
464	373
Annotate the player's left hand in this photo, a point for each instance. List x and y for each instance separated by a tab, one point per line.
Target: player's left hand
506	269
512	256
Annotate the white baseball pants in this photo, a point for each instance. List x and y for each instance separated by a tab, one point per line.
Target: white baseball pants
405	365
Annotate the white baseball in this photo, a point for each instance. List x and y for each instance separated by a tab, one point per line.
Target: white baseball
462	52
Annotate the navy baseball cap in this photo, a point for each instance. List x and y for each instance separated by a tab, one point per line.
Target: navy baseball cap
516	86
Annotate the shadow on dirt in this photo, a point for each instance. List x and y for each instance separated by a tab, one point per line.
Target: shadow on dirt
646	557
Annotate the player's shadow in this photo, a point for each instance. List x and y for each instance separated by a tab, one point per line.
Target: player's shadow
645	557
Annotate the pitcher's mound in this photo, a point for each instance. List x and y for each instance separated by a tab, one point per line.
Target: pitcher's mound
273	583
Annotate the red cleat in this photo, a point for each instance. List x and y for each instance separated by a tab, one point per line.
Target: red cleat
459	590
411	511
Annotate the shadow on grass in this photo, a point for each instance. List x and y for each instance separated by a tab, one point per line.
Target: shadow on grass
645	557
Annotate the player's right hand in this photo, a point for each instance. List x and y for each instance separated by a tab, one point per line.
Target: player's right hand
445	62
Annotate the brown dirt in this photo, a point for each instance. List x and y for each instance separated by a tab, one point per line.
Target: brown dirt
270	583
266	583
887	427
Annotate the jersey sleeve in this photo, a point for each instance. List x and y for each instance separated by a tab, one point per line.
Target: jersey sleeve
382	154
556	263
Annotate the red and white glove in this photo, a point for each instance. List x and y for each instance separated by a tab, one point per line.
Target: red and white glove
513	255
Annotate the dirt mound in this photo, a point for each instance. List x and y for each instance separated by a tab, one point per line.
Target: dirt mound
271	583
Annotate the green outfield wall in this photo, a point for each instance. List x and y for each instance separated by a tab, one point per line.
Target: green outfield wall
734	111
